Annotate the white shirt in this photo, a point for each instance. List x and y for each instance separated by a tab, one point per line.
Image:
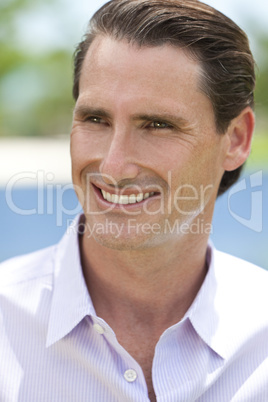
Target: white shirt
54	348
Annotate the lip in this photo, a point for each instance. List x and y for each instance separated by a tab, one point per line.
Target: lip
106	204
125	191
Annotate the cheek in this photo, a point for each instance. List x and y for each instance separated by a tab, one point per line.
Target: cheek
86	149
80	157
197	169
77	156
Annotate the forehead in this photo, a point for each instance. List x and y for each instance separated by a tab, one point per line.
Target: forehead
109	56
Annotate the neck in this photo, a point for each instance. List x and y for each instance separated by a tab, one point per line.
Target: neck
155	285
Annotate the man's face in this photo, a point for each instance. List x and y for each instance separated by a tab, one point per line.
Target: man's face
147	160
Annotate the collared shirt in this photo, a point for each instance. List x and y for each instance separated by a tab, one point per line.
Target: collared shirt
54	348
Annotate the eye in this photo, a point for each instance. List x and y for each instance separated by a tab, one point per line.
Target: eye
95	119
158	125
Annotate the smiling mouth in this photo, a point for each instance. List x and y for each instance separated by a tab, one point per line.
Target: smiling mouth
126	199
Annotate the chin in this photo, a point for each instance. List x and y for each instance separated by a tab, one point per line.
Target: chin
124	243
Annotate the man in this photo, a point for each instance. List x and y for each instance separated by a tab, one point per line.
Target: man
134	304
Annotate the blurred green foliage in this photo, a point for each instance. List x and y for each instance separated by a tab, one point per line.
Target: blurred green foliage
262	78
258	158
35	94
36	86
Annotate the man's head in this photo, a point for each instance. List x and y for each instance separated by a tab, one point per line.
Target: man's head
212	39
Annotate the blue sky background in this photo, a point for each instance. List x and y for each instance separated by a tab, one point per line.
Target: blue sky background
67	20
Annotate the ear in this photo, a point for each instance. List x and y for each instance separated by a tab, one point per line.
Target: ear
240	132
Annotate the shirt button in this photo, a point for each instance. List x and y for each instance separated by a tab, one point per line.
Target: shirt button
98	328
130	375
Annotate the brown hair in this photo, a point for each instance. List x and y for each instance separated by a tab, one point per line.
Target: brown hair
213	39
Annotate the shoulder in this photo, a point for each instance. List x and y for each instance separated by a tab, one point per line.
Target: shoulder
235	268
27	267
238	298
242	290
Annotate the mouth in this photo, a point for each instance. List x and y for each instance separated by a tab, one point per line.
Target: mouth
118	199
126	199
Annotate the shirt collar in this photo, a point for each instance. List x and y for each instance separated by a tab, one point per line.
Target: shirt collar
211	314
71	301
203	313
222	309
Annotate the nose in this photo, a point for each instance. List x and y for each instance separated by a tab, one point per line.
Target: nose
119	162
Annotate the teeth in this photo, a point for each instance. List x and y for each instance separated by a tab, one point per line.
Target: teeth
139	197
115	198
109	197
125	199
132	199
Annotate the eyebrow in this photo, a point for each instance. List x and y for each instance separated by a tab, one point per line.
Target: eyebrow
83	111
165	117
